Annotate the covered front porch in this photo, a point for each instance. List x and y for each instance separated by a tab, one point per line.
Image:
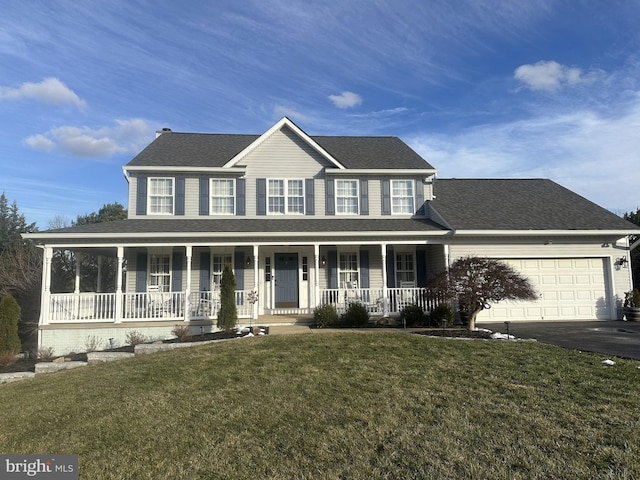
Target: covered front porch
160	283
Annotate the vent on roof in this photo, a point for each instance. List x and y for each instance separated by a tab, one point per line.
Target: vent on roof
160	132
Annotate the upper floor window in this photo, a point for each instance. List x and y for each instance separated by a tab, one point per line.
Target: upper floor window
161	196
402	195
347	196
285	196
222	196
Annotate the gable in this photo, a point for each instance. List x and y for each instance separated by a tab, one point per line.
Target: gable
284	154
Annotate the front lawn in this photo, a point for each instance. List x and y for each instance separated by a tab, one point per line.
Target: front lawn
345	405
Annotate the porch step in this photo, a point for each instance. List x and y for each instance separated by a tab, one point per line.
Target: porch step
302	319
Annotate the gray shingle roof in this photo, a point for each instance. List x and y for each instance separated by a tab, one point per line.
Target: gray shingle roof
512	204
172	149
288	227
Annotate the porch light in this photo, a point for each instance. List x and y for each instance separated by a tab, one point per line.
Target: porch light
323	261
248	261
622	262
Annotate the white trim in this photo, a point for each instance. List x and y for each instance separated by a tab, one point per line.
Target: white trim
357	197
228	170
286	196
234	196
173	197
284	122
380	171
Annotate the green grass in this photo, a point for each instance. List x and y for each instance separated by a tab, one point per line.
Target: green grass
344	405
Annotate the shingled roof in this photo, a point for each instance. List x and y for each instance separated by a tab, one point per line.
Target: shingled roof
519	204
173	149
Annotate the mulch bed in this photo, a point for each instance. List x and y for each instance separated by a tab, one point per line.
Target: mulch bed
454	333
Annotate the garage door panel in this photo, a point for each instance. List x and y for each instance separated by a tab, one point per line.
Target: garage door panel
569	288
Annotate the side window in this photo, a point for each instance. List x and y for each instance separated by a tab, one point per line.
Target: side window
161	196
347	197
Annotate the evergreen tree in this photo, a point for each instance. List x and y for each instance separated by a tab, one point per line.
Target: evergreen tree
9	317
228	313
634	217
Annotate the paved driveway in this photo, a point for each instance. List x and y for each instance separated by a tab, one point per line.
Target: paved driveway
617	338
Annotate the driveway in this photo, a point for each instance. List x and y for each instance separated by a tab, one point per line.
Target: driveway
616	338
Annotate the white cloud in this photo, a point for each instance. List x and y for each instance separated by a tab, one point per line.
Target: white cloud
50	90
591	154
550	75
346	100
127	136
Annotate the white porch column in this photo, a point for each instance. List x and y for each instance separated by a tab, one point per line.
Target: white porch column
385	293
117	317
188	252
254	306
77	285
45	294
99	280
316	275
446	256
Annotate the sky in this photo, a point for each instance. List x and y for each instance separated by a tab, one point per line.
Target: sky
480	89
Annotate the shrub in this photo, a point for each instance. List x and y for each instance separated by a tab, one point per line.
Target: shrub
228	313
356	315
134	338
9	317
325	315
92	344
442	315
45	354
412	316
183	332
8	358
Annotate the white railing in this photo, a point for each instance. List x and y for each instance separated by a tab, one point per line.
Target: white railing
153	306
85	307
375	301
139	306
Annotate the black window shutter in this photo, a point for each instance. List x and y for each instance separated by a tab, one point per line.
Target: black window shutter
385	185
331	197
309	204
240	197
205	271
176	272
364	196
141	197
204	196
180	195
261	193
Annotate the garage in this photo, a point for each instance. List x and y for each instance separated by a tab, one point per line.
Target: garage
569	288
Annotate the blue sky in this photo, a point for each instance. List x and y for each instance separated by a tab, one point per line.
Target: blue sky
484	89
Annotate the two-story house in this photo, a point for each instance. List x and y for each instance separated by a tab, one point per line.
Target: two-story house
307	220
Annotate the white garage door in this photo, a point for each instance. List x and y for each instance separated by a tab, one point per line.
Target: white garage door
569	289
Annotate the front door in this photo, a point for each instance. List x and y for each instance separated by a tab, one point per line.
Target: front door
286	280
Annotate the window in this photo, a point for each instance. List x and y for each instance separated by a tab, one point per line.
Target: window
160	272
405	272
305	268
348	265
347	196
222	196
402	196
285	196
161	196
218	262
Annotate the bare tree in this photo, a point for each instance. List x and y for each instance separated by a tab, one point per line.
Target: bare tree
477	282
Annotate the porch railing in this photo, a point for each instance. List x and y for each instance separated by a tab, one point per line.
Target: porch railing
205	305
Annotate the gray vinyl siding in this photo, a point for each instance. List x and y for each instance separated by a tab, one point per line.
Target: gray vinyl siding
284	155
192	198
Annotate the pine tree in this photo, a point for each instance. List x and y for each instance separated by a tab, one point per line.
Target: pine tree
9	317
228	313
